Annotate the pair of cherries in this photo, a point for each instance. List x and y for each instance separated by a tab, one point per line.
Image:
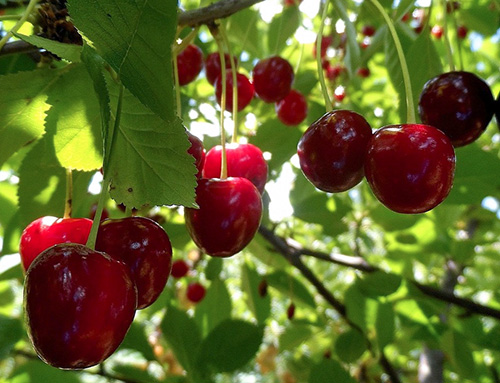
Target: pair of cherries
79	302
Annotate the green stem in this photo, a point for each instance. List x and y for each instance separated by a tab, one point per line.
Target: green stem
19	24
177	86
68	205
98	214
223	167
410	107
321	75
185	41
447	43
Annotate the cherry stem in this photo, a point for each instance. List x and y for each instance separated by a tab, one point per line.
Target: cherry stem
410	106
319	38
447	43
20	22
223	166
177	86
68	205
185	41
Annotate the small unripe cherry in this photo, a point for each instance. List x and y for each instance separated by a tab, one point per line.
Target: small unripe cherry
195	292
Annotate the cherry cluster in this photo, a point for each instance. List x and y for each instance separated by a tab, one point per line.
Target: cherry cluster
80	302
409	167
272	80
195	291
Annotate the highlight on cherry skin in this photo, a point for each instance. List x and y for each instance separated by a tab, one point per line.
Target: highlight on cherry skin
78	305
48	231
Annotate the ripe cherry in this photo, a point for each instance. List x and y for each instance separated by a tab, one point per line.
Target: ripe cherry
363	72
462	32
334	71
180	268
332	150
195	292
228	217
292	110
243	160
458	103
197	151
245	90
48	231
272	78
144	247
326	41
189	64
437	31
410	167
368	30
79	304
213	66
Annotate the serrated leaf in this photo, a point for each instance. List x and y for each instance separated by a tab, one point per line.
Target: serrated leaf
135	37
329	370
214	308
350	345
230	345
69	52
260	306
291	286
282	27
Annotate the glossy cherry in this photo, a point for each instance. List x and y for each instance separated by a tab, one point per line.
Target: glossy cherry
458	103
48	231
228	217
180	268
332	150
410	167
245	90
144	246
195	292
292	110
79	304
197	151
243	160
272	78
213	66
189	64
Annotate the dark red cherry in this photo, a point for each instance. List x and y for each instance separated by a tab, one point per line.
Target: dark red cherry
48	231
245	90
458	103
197	151
189	64
213	67
363	72
180	268
79	304
462	32
290	311
243	160
228	216
272	78
410	167
195	292
144	247
368	30
332	150
292	110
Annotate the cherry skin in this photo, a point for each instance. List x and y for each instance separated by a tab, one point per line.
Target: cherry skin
79	304
197	151
195	292
458	103
243	160
292	110
368	30
179	268
144	247
272	78
332	150
213	66
410	167
189	64
48	231
228	217
245	90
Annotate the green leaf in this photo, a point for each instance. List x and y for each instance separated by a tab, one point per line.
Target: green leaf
8	202
294	335
460	354
137	339
480	19
11	330
242	31
352	58
135	37
35	371
282	27
379	283
355	303
213	268
291	286
134	373
182	334
230	345
329	370
214	308
350	345
69	52
384	324
392	221
258	305
149	164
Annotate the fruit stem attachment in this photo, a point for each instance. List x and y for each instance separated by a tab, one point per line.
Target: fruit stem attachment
20	22
68	205
319	38
98	214
410	106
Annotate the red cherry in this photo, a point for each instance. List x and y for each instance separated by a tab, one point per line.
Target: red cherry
334	71
243	160
48	231
245	90
410	167
272	78
437	31
290	311
228	217
197	151
213	67
292	110
79	304
462	31
339	93
289	3
363	72
144	247
189	64
195	292
179	268
326	41
458	103
368	30
332	150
